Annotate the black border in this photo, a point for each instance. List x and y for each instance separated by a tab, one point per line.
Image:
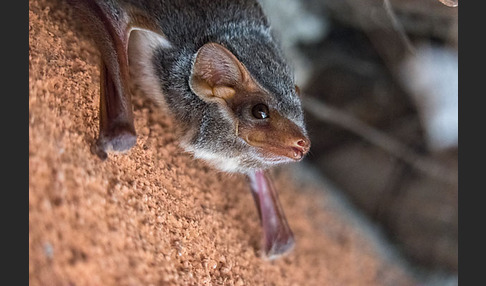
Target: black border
15	182
472	118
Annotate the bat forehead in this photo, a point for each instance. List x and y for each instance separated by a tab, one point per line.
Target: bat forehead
282	109
284	100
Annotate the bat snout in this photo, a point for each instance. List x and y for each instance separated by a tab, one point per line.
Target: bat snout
300	148
281	140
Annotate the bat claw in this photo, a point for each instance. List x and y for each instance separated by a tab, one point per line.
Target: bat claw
119	139
276	249
97	150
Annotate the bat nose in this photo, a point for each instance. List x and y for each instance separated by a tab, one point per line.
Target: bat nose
300	147
304	143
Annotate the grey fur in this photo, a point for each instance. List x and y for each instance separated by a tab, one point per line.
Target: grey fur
241	27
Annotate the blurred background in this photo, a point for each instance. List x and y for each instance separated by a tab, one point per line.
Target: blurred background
379	81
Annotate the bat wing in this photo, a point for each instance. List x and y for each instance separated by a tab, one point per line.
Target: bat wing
111	24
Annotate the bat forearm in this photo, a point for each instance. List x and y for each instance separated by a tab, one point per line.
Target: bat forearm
109	25
278	238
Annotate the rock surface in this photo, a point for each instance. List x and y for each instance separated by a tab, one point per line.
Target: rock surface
156	216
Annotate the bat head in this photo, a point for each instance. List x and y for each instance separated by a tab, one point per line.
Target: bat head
257	129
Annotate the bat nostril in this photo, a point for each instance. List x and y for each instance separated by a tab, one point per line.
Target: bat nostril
303	143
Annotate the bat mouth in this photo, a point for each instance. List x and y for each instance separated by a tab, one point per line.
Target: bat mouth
295	154
279	150
280	154
298	153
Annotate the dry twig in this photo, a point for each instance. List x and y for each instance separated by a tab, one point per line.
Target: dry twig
398	27
338	117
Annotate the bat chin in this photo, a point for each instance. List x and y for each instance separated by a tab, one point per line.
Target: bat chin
276	159
283	155
275	152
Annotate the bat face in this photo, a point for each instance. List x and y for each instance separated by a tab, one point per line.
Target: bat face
258	131
272	134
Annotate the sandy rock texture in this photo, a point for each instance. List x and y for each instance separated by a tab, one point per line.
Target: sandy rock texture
156	216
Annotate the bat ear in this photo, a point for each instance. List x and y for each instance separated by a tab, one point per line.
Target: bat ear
216	73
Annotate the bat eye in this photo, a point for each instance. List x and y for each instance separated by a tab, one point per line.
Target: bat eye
260	111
